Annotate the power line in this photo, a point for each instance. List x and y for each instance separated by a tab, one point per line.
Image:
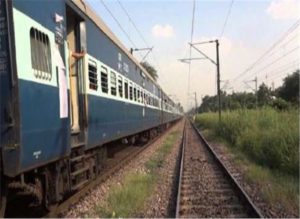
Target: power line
134	25
292	28
283	74
190	54
281	68
119	24
161	76
290	69
284	45
276	60
226	19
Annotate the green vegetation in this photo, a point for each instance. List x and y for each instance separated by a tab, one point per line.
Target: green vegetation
265	142
284	97
150	69
277	188
126	199
158	159
268	137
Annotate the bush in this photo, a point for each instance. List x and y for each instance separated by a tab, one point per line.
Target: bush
280	104
267	136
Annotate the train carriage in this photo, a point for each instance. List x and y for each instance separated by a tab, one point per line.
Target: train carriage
59	109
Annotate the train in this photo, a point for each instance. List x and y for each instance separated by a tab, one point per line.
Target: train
68	87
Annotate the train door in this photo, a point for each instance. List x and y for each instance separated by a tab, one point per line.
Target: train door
76	38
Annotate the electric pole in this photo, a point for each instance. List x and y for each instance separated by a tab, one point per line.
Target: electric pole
218	78
195	103
254	90
255	80
217	63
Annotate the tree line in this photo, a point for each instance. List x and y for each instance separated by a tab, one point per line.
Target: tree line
282	98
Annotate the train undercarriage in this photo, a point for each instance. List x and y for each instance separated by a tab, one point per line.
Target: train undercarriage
49	185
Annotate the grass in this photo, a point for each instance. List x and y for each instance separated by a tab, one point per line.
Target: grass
124	200
267	137
279	189
128	198
157	160
266	143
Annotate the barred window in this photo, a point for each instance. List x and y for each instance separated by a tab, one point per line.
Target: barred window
138	95
126	89
40	54
142	96
120	85
130	91
93	77
134	94
104	80
113	83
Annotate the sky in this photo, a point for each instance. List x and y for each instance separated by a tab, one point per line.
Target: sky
252	28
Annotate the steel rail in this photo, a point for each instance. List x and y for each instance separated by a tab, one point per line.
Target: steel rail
244	198
180	172
59	209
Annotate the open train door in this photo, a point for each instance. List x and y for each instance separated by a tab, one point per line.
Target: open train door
76	38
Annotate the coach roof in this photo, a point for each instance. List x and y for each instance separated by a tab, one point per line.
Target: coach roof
99	22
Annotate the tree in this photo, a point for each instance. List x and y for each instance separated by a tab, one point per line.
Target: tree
289	91
150	69
264	95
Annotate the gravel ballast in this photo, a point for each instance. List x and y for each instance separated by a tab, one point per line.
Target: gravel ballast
98	196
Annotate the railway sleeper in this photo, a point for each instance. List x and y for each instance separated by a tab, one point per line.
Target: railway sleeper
224	210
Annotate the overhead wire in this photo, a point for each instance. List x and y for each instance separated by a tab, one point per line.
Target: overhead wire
274	45
118	23
161	76
226	19
133	23
190	52
280	68
276	60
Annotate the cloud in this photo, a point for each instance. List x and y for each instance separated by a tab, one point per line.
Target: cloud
162	31
284	9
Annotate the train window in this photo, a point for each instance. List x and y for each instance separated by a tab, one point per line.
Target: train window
138	95
134	94
126	89
104	80
113	83
130	91
93	75
120	86
142	96
40	53
147	99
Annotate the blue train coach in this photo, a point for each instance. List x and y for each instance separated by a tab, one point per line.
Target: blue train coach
68	88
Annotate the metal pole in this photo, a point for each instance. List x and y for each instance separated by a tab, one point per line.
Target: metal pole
195	103
256	91
218	79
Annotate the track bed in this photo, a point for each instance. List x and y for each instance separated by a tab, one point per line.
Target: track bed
206	189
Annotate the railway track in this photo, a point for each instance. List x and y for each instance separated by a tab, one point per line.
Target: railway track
206	188
119	160
112	167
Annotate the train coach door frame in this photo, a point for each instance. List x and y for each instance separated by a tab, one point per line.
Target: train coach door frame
76	38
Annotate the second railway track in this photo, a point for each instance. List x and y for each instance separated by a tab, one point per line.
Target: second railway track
206	188
112	167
